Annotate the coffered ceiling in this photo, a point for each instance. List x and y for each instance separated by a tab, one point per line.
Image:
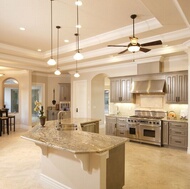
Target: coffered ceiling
103	22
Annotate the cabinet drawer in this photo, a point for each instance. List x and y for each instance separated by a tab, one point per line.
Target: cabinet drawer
121	126
179	132
178	125
121	132
121	120
178	141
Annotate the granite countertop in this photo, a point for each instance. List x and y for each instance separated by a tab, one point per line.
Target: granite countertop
73	141
176	120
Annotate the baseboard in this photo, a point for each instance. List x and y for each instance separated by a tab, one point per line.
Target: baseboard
51	183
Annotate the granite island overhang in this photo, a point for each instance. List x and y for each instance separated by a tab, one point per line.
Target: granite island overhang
79	159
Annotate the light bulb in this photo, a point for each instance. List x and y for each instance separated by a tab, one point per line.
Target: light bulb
133	48
57	72
78	3
76	74
78	56
51	62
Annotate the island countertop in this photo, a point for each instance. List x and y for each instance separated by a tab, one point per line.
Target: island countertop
73	141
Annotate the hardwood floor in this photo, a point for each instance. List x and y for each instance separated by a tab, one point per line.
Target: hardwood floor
147	166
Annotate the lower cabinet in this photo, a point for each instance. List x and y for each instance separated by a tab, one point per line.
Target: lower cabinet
111	125
121	126
91	127
175	134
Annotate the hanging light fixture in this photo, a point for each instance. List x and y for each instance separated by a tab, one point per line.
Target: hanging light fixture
57	71
76	73
51	61
78	55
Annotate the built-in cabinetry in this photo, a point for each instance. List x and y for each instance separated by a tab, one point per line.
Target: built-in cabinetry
120	90
111	125
121	126
177	88
175	133
65	92
90	127
52	114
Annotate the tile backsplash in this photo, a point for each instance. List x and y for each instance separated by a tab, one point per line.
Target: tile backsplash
147	102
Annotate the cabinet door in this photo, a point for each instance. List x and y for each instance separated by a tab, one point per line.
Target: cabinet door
110	125
125	93
65	92
182	96
171	85
114	90
165	133
177	88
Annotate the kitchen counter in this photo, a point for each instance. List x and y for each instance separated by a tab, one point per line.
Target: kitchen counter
175	120
74	141
78	159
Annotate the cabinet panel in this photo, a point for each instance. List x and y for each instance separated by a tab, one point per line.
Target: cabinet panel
120	90
65	91
165	134
177	88
110	125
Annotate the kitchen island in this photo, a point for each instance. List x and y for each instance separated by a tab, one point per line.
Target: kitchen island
74	159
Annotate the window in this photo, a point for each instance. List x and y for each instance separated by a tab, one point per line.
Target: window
11	95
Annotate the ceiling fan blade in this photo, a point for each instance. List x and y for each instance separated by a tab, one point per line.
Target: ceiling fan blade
145	50
117	45
123	51
159	42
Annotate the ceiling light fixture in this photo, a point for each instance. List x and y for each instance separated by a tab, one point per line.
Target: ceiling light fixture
57	71
78	55
51	61
1	74
22	28
76	73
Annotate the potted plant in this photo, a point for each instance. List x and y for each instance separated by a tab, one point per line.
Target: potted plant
40	110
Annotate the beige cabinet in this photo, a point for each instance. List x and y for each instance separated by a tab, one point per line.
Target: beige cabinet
120	90
65	92
178	134
91	127
165	134
111	125
177	88
121	126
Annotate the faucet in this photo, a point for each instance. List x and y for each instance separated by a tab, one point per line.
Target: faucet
61	112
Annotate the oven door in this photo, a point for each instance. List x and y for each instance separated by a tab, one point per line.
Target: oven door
152	134
132	131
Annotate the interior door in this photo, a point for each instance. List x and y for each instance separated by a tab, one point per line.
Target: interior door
80	99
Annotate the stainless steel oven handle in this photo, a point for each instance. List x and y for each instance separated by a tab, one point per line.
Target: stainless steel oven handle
149	125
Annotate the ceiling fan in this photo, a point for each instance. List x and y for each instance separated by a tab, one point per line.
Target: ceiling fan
134	46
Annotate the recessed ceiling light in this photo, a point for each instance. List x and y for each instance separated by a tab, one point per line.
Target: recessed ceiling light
66	40
22	29
39	50
1	74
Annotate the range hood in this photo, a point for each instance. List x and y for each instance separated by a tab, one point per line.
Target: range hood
148	86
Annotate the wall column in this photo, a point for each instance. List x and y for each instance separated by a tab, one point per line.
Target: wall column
188	53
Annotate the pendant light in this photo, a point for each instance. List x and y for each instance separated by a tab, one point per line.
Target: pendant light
51	61
57	71
78	55
76	73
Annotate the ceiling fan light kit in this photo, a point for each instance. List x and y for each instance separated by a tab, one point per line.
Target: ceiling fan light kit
134	46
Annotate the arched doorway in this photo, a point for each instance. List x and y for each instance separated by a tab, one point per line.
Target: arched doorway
100	97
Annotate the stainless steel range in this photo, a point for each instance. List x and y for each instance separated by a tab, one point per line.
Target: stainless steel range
146	126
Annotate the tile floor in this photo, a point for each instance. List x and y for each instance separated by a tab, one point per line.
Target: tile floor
147	166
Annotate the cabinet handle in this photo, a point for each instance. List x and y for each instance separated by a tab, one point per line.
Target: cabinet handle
177	141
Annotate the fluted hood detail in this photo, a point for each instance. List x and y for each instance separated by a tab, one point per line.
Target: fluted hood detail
148	86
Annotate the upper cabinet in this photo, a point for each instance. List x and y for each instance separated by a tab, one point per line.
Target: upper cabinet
177	88
120	90
65	91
